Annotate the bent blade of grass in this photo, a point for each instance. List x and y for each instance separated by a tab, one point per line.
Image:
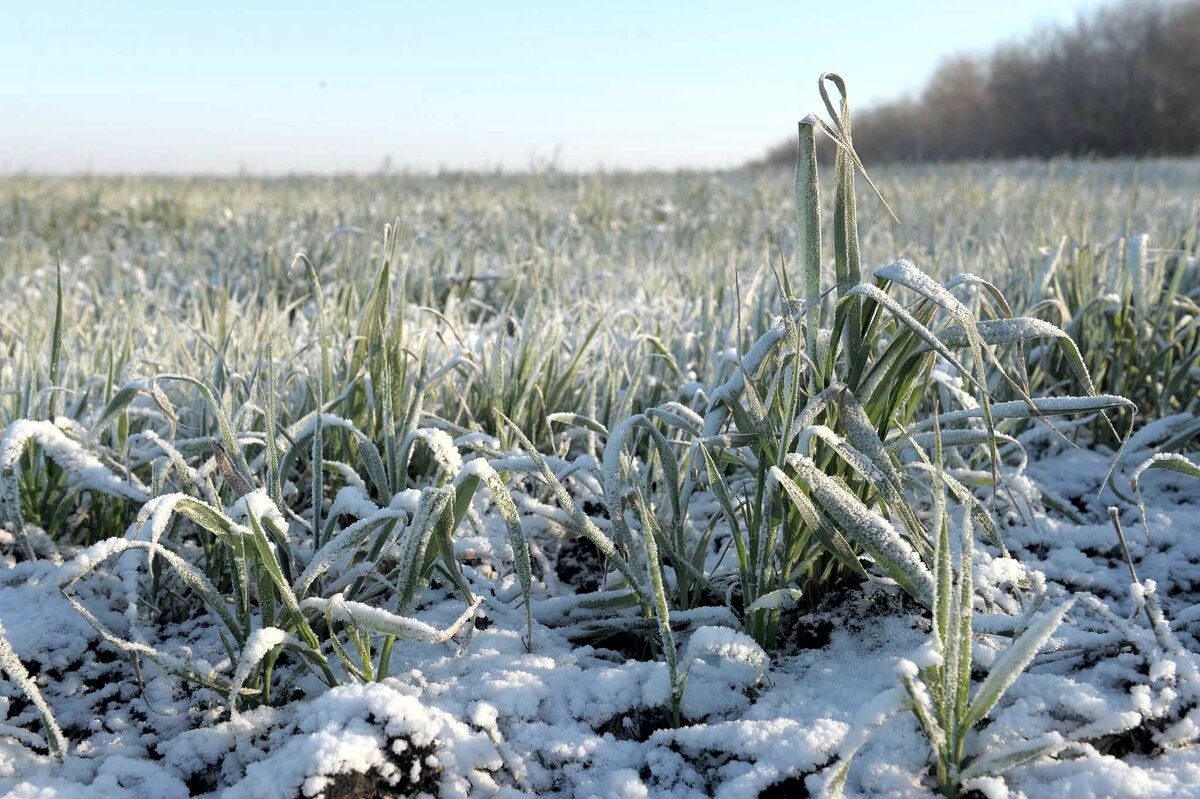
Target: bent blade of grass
384	622
847	262
259	645
840	133
1000	762
722	399
1013	331
577	420
305	431
582	523
83	467
1042	406
516	532
69	454
117	403
907	275
993	291
56	742
200	487
1169	461
341	546
224	425
87	561
678	416
440	446
613	452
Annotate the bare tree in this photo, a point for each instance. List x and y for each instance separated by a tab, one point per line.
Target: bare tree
1123	80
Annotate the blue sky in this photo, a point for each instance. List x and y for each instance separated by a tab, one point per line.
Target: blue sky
274	87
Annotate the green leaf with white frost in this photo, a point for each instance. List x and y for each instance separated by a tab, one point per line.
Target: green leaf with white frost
996	763
1168	461
828	535
1016	658
259	645
410	553
577	420
808	244
774	600
378	620
56	742
868	529
658	594
507	509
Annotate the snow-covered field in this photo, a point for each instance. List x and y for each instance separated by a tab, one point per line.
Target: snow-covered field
725	564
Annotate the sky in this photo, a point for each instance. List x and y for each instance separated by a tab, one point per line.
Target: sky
272	87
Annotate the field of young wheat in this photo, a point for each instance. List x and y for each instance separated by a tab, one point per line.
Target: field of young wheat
607	485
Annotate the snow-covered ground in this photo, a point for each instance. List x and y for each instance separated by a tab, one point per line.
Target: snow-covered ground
485	714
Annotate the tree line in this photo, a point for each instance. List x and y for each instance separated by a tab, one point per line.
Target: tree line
1122	80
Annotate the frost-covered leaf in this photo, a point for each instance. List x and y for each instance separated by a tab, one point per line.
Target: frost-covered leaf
16	671
1016	658
870	530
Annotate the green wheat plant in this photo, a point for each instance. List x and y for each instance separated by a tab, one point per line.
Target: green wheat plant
938	690
1136	310
348	605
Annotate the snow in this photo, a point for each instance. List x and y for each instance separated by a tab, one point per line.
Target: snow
258	645
441	445
483	713
85	468
722	666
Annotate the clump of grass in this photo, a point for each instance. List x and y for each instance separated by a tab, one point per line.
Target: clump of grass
937	691
1135	309
338	605
291	581
809	444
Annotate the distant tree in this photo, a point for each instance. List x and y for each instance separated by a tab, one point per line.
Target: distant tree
1124	80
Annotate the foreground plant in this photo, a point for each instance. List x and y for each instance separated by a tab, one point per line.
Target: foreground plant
1166	461
347	602
937	690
